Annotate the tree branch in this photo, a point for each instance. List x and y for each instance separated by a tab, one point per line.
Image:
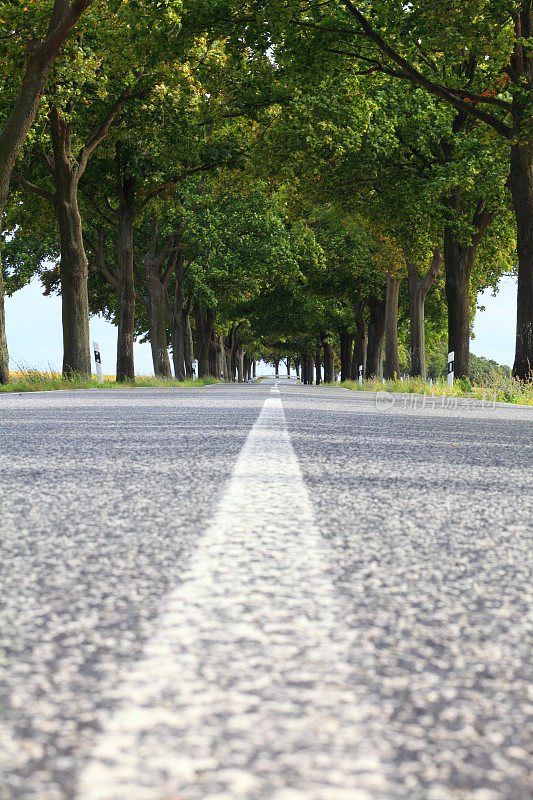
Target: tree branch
432	273
100	131
437	89
31	187
99	252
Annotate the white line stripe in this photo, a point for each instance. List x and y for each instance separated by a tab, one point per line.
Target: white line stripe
245	690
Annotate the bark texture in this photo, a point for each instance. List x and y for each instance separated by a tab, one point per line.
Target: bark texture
376	335
521	184
346	341
318	366
126	280
392	359
73	266
204	323
418	289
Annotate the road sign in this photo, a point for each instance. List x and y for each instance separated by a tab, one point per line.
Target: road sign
98	362
451	357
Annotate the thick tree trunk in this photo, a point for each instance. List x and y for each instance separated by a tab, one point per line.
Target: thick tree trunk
205	323
297	367
359	349
276	367
521	185
126	282
318	367
458	260
254	369
346	340
376	334
392	359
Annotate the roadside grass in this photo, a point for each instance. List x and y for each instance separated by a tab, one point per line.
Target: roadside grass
31	380
494	388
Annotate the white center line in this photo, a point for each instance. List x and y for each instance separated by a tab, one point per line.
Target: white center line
245	690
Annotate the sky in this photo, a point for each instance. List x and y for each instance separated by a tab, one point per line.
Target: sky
33	324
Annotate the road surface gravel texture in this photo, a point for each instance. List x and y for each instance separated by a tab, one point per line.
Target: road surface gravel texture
264	592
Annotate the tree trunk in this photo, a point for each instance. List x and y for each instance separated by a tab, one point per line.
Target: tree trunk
73	271
73	265
205	323
416	323
276	367
254	369
126	282
458	260
213	347
303	360
376	334
297	367
158	325
240	364
418	289
178	351
4	354
318	367
310	365
521	185
359	349
221	359
188	347
392	359
177	314
346	355
329	359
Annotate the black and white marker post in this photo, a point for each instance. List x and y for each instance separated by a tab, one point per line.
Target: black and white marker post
98	362
360	374
451	357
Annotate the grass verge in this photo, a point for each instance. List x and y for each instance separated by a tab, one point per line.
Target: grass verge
35	381
494	388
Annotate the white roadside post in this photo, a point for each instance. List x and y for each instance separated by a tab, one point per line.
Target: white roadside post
98	361
360	374
450	369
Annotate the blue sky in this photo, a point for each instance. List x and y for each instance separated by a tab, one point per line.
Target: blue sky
34	330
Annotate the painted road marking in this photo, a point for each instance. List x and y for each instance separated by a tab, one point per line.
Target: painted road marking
245	690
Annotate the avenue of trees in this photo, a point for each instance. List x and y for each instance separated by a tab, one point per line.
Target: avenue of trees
324	184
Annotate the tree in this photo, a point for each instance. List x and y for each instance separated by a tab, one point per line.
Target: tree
42	47
497	90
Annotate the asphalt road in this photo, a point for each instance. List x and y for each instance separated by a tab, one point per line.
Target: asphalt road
264	593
